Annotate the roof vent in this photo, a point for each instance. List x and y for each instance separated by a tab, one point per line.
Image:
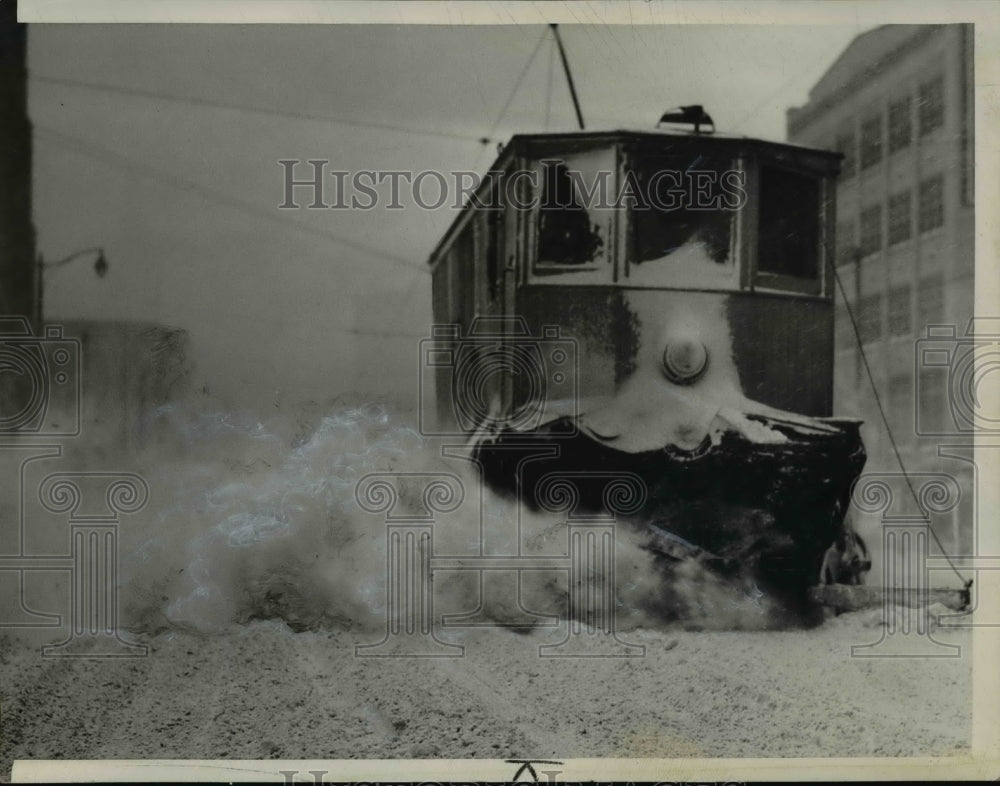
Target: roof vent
689	115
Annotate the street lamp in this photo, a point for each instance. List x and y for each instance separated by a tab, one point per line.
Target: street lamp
100	268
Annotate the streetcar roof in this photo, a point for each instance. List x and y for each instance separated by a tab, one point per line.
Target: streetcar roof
520	143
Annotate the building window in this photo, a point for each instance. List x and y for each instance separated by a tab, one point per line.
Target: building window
845	332
899	311
899	124
845	146
931	203
930	301
899	396
871	230
932	398
931	105
870	318
846	241
871	141
899	217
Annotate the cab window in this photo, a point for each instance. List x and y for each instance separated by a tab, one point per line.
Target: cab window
575	210
684	218
566	234
789	230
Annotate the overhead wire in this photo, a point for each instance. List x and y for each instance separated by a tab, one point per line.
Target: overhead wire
510	97
517	85
259	110
85	147
486	139
79	146
89	149
775	93
340	328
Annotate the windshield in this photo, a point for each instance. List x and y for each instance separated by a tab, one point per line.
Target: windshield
789	223
684	212
574	217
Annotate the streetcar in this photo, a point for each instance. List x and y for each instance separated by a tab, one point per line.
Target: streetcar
657	303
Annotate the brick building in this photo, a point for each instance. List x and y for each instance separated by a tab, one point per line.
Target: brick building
898	104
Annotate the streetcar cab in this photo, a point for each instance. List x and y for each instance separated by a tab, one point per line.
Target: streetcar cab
680	269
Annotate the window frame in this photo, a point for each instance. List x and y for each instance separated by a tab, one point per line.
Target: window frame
868	159
847	230
818	286
863	249
640	274
899	197
925	185
601	271
846	143
864	318
901	108
930	117
901	293
927	284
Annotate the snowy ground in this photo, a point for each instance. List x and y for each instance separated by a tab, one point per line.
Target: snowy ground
249	521
262	691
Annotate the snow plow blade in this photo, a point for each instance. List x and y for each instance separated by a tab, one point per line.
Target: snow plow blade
766	509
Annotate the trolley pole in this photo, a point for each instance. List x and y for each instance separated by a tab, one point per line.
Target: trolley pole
569	76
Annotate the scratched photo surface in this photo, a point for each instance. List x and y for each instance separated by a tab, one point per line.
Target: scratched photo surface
496	392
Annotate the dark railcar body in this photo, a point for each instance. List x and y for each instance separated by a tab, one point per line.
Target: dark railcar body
775	314
657	304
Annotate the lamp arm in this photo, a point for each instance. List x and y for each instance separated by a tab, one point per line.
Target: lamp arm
70	258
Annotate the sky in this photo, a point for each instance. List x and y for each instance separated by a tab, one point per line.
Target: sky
140	148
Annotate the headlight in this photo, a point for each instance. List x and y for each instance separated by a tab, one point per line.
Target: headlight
684	360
